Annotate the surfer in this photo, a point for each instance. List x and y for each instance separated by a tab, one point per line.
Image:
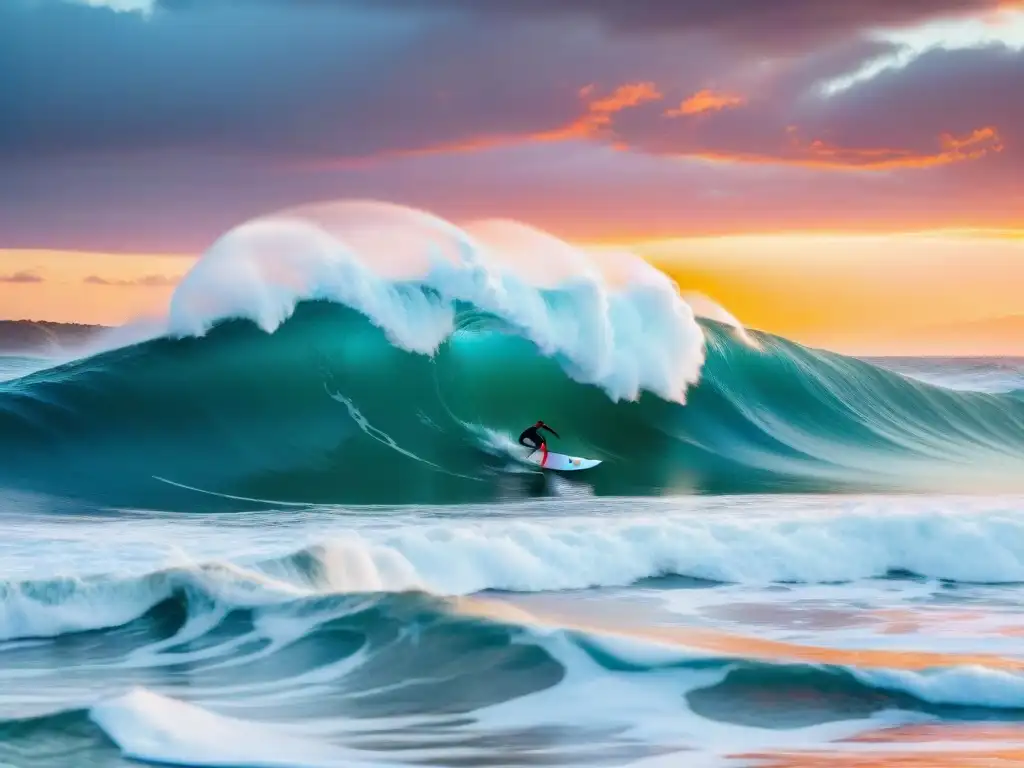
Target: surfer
536	439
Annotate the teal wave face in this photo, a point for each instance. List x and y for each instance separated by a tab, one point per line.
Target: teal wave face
326	410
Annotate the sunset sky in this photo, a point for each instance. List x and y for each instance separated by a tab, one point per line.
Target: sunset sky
848	173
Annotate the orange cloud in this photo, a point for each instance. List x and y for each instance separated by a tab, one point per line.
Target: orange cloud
596	118
705	101
599	112
820	154
596	122
952	149
629	95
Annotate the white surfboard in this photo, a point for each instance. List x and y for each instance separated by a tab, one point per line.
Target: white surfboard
562	462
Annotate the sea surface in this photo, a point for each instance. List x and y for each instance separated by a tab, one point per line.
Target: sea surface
288	524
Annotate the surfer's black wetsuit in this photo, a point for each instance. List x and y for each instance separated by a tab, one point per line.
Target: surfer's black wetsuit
535	437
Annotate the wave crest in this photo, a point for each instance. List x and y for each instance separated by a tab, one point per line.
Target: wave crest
611	320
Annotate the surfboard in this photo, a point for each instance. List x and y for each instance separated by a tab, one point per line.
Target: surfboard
563	463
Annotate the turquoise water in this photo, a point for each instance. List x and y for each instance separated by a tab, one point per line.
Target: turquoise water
326	410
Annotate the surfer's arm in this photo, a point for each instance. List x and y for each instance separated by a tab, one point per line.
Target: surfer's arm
549	429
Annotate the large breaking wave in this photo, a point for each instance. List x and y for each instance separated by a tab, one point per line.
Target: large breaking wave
361	353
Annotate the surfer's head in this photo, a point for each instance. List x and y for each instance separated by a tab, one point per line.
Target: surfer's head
539	423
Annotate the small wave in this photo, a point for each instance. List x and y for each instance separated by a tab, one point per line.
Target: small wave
740	547
965	686
725	678
975	546
415	676
52	607
153	728
748	664
995	376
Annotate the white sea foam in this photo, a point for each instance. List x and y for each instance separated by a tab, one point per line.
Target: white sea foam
65	605
575	554
806	544
612	321
967	685
154	728
48	609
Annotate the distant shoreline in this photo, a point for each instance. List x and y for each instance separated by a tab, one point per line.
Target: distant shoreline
964	341
33	335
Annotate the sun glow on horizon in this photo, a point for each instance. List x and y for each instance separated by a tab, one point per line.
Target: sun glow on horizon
86	287
839	289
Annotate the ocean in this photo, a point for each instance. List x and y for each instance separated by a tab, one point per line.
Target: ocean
289	525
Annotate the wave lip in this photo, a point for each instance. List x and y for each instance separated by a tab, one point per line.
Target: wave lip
640	335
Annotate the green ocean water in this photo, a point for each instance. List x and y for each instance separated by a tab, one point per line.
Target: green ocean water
327	410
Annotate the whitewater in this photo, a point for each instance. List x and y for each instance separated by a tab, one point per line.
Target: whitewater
286	522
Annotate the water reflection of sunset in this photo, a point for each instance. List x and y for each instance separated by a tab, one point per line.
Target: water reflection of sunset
741	646
982	745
